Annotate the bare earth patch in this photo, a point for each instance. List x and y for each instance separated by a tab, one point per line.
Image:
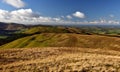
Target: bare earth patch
59	59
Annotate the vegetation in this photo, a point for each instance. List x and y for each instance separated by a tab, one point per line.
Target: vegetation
51	29
58	36
60	49
65	40
3	37
59	60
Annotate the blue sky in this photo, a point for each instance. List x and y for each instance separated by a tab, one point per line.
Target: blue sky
60	11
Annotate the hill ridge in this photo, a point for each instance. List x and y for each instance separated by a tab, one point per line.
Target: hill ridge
65	40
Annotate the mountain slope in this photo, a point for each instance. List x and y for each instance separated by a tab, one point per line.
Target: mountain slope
11	26
55	59
65	40
52	29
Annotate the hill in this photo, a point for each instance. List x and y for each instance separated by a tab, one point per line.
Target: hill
59	36
11	26
60	49
52	29
7	36
65	40
55	59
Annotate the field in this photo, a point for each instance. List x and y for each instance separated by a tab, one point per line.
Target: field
59	59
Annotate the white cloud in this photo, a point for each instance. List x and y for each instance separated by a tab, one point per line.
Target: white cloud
79	14
4	14
27	16
25	13
69	17
15	3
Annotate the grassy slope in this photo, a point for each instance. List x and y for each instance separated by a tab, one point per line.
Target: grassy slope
52	29
63	37
59	60
75	52
65	40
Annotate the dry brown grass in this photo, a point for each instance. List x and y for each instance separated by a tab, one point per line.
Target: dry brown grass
59	60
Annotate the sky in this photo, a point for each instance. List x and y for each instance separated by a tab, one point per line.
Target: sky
60	11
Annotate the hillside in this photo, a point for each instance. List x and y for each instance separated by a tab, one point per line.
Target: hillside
7	36
52	29
59	36
55	59
60	49
11	26
65	40
9	31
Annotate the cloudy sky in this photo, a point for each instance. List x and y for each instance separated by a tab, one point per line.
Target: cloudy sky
60	11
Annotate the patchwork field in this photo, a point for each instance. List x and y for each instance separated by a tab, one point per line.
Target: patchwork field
59	59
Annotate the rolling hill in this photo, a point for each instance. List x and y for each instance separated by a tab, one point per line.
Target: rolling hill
65	40
60	49
59	36
11	35
11	26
